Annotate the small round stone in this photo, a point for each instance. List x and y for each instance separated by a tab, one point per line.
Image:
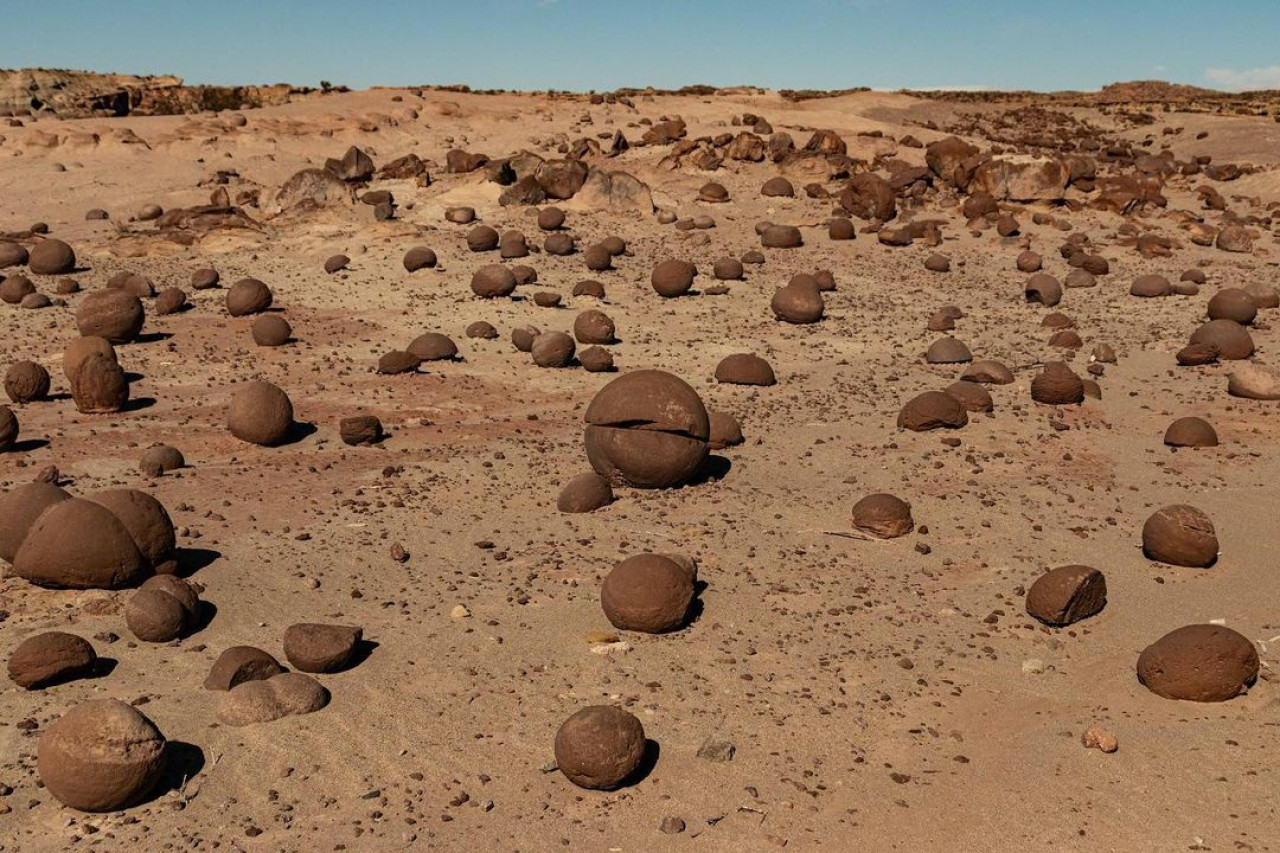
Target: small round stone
600	747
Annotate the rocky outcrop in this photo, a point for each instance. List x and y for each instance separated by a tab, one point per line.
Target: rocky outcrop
79	94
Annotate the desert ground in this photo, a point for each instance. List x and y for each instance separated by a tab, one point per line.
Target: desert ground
830	689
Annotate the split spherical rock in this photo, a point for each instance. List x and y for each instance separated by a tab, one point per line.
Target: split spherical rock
585	493
1191	432
20	507
52	257
553	349
102	755
948	351
260	413
1233	303
493	281
745	368
161	459
246	296
972	396
53	657
883	515
512	244
419	258
1067	594
433	346
647	429
1232	339
1199	663
360	429
239	664
115	315
1180	535
1057	385
99	385
932	410
649	593
312	647
26	382
600	747
593	327
287	694
271	330
673	277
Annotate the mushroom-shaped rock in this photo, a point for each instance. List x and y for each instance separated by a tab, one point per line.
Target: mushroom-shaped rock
1066	595
673	277
102	554
1199	663
948	351
647	429
1191	432
932	410
260	413
115	315
247	296
239	664
321	648
744	368
52	657
600	747
1057	385
1232	339
397	362
585	493
103	755
26	382
52	257
883	515
20	507
649	593
1180	535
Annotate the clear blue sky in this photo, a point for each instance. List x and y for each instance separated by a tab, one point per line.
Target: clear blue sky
604	44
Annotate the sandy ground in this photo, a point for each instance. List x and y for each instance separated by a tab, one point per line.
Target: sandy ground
879	697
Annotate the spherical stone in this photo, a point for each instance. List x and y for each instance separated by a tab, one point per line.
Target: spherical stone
649	593
728	269
397	362
493	281
600	747
79	350
321	648
937	263
598	259
433	346
781	237
1199	663
146	520
513	244
593	327
15	288
932	410
26	382
20	507
559	244
170	301
1180	535
115	315
1043	288
988	372
972	396
596	359
161	459
137	284
260	413
239	664
522	337
205	279
13	254
154	616
589	287
1066	595
52	257
52	657
1190	432
1057	385
1194	275
1095	264
1264	295
546	299
35	301
271	330
482	238
550	219
247	296
883	515
673	278
713	193
149	212
1233	303
336	263
725	430
1080	278
1150	286
614	245
418	258
647	429
263	700
99	385
524	275
1232	339
840	228
1029	261
552	349
103	755
360	429
481	329
799	303
948	351
777	187
745	368
585	493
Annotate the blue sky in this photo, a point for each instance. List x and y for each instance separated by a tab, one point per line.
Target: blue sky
604	44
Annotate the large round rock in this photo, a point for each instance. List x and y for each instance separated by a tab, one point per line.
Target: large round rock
1200	663
647	429
101	554
101	756
20	507
52	257
649	593
51	658
600	747
114	314
260	413
1180	535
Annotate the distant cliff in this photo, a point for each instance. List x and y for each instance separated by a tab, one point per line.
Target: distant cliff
78	94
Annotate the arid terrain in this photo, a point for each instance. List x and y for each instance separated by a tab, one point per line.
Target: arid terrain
830	689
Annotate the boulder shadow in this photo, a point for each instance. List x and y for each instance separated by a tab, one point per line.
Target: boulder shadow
652	752
28	445
298	431
204	618
152	337
714	468
192	560
363	651
183	762
137	404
